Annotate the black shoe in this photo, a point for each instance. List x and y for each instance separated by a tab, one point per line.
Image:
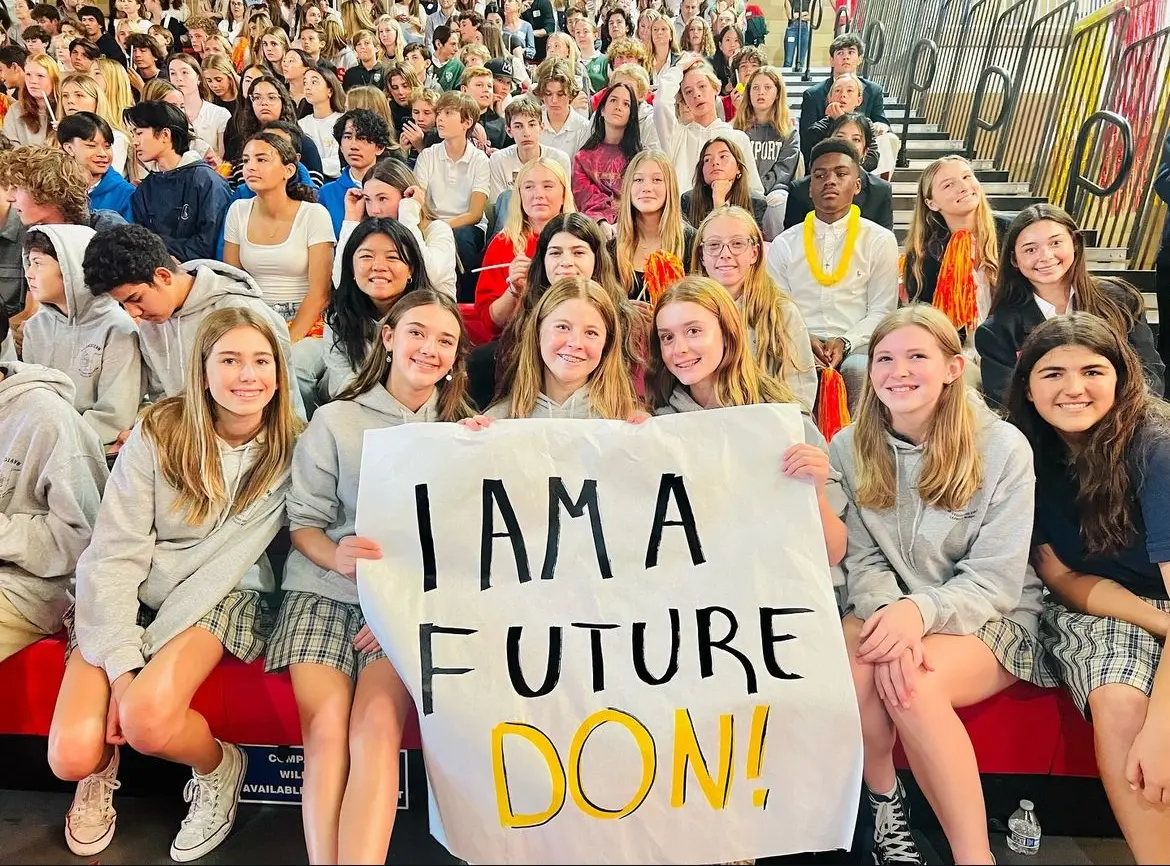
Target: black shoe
892	840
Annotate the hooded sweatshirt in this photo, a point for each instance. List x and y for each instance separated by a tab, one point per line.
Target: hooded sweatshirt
185	206
94	342
52	470
324	487
576	407
166	346
962	568
144	551
113	192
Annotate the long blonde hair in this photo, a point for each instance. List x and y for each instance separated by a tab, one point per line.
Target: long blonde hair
611	393
116	84
355	18
952	468
670	224
764	303
182	428
89	86
739	380
30	110
375	370
781	119
928	228
516	227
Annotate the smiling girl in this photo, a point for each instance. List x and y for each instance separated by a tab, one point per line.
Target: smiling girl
172	582
351	701
1042	273
942	607
1102	448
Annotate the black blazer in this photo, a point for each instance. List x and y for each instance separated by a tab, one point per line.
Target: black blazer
816	99
932	264
876	201
999	338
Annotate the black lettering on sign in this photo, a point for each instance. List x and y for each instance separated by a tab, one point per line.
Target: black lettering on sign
769	639
595	630
673	484
558	496
495	496
426	538
704	617
552	671
640	652
426	630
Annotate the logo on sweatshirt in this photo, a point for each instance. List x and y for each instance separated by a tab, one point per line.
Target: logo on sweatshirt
185	212
9	471
89	360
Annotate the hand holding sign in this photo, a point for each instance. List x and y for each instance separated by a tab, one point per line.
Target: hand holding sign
601	620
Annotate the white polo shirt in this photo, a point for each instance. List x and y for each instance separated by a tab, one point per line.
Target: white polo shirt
571	136
506	164
450	182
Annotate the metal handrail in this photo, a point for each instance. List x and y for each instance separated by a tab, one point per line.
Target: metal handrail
922	46
976	122
874	38
840	26
1076	178
816	17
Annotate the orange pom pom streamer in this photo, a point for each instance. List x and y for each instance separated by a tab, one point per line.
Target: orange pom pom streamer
832	404
954	295
663	270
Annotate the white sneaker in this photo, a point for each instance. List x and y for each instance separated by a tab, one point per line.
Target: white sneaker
89	823
213	800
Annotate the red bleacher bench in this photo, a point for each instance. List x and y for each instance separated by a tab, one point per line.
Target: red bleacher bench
1025	729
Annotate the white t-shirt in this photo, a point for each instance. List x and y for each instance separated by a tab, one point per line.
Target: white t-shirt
504	165
449	183
320	132
210	123
282	270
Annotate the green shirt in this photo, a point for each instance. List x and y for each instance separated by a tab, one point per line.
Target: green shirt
598	71
450	74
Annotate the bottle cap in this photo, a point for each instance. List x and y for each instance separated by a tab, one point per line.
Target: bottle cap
1027	805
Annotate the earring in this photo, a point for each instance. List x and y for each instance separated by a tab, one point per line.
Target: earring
448	377
389	357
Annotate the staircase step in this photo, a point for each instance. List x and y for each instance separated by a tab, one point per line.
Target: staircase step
917	163
911	175
1144	281
991	188
1106	255
1010	204
939	147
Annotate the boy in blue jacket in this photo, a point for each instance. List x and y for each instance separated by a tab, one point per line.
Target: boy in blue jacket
88	139
185	202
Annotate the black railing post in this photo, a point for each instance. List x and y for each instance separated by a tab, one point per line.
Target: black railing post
913	86
976	122
875	45
816	17
840	21
1076	177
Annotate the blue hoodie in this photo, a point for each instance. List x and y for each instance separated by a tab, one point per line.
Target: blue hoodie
113	192
185	206
332	195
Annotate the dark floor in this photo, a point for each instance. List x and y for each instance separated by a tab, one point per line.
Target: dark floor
31	833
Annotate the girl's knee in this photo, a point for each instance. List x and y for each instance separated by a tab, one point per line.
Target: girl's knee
1119	711
148	723
75	754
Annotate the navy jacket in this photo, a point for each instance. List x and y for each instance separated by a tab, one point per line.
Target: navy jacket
876	201
186	207
816	99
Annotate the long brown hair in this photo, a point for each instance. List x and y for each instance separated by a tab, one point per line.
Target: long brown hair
375	371
952	468
611	393
702	199
1115	301
30	109
182	427
739	381
1116	443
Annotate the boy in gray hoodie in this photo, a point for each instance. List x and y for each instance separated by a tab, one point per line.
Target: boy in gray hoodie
131	264
52	472
90	339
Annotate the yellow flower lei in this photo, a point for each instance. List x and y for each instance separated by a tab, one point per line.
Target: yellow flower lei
852	230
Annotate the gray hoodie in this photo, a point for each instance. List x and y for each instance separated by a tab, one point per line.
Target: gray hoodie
95	343
576	407
324	487
962	568
52	470
143	550
166	346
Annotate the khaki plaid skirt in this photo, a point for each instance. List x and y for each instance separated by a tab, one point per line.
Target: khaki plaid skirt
315	630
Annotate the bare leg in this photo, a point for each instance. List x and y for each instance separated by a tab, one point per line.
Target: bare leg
77	737
877	728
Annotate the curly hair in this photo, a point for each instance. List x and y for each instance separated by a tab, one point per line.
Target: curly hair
367	126
49	176
122	255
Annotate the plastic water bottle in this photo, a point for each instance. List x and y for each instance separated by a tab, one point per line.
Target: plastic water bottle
1024	830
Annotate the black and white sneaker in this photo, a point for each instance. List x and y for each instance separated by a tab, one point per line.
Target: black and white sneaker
892	840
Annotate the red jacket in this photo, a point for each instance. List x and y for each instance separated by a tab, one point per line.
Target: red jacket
492	285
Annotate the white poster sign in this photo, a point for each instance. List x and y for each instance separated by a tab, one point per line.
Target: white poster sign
621	639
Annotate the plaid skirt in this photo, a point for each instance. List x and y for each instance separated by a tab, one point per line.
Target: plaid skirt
236	621
315	630
1088	651
1020	654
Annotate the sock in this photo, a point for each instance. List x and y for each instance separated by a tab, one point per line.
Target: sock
889	795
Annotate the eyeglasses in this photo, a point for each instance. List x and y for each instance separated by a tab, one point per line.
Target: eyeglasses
264	98
737	246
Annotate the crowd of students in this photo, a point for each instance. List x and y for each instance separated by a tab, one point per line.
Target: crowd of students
220	311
